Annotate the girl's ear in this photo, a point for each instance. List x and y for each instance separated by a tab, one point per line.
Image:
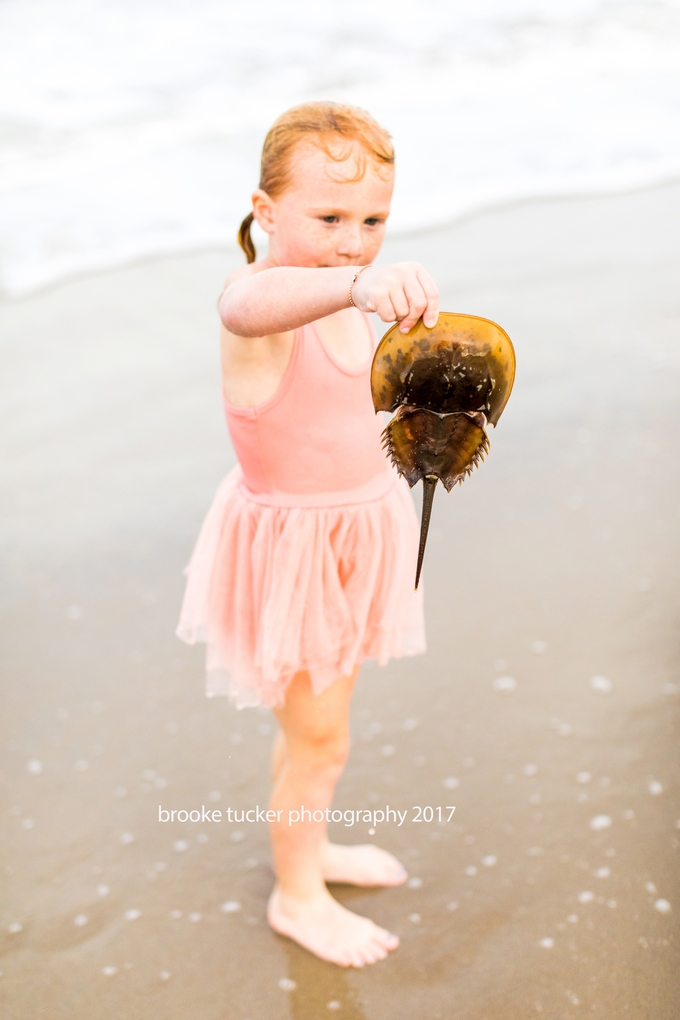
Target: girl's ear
263	210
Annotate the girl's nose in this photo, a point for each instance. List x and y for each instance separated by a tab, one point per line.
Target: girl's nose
351	244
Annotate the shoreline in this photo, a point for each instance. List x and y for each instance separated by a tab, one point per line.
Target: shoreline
228	250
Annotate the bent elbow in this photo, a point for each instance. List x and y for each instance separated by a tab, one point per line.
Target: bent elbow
234	318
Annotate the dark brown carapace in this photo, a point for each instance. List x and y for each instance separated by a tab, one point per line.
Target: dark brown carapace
447	385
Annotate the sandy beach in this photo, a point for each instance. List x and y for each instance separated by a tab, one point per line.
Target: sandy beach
545	711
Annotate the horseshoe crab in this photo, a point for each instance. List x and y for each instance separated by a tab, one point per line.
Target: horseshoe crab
447	385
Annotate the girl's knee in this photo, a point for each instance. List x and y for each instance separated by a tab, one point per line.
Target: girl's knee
326	751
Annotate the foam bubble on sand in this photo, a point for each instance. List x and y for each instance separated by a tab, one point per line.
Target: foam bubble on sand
586	896
489	860
451	783
230	907
103	890
547	943
287	985
415	883
663	906
600	822
132	914
109	970
602	872
538	647
165	975
601	684
655	787
180	845
34	766
506	684
126	838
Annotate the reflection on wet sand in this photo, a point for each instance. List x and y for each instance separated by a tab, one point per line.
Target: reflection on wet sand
317	988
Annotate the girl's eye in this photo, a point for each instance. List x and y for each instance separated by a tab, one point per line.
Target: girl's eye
329	219
372	221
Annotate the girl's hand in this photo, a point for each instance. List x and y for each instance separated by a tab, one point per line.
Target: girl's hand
402	292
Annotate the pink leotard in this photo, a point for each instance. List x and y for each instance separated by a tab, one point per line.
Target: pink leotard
316	442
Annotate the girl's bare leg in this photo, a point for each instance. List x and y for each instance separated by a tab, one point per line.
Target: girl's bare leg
315	729
362	864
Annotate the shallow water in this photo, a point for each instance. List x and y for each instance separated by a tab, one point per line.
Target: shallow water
546	710
130	129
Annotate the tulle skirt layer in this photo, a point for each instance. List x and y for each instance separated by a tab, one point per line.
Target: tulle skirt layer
277	590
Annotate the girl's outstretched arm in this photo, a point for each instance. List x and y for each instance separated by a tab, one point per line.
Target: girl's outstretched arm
286	297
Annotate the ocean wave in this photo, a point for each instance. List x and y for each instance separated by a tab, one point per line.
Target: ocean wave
134	129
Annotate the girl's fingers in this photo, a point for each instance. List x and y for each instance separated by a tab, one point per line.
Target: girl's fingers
416	301
386	311
404	293
431	312
401	304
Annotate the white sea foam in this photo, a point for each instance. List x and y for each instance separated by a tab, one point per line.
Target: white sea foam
129	129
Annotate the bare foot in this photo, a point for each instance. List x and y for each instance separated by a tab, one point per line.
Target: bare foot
360	865
328	930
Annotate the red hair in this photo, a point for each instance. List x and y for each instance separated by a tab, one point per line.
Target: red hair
321	124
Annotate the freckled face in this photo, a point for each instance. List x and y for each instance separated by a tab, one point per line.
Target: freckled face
324	218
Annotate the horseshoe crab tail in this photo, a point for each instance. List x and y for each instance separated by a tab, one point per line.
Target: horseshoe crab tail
429	485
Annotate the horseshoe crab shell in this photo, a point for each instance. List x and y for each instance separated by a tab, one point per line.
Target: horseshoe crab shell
447	384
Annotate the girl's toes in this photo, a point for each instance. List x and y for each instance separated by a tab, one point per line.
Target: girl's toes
389	941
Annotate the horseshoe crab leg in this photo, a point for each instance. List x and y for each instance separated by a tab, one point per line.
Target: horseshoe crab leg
429	485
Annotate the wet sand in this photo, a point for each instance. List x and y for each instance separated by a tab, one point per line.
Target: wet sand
553	890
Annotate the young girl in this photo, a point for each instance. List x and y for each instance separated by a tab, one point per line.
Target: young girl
305	563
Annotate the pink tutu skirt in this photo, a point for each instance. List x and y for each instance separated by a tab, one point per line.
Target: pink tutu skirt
277	590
